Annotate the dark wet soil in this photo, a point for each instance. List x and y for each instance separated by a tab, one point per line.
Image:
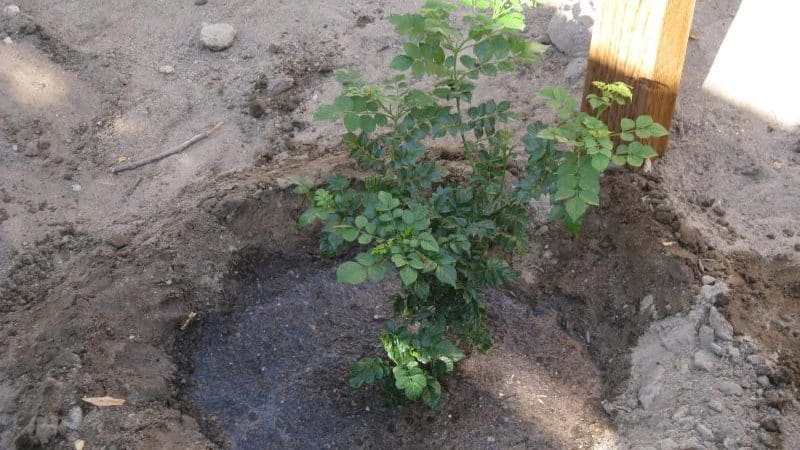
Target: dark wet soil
271	371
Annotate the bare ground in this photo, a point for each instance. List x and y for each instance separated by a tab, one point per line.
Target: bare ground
100	271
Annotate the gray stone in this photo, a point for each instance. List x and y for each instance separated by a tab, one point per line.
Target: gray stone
708	279
646	304
279	86
710	292
217	36
200	2
74	418
76	187
166	69
11	10
716	405
651	386
7	40
706	335
704	432
667	444
717	350
570	29
680	338
733	351
728	387
722	328
576	70
703	360
763	381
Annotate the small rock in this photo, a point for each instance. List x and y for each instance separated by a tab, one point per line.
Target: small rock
770	235
667	444
651	387
575	71
76	187
166	70
730	388
722	328
710	292
797	247
646	304
11	10
8	41
279	86
771	424
119	240
716	405
708	279
79	444
763	381
706	335
788	233
718	210
217	36
74	418
717	350
704	432
703	360
200	2
570	29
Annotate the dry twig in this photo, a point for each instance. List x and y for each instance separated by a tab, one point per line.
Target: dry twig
169	152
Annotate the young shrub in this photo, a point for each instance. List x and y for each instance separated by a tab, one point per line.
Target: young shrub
449	241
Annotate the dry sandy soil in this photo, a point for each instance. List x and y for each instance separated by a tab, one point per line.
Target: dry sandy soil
596	347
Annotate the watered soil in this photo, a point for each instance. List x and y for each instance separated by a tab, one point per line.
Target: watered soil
186	289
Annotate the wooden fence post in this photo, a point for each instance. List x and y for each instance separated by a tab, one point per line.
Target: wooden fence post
643	43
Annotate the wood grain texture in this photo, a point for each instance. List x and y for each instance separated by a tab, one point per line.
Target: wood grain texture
643	43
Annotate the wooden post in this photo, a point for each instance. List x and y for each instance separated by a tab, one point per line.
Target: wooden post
643	43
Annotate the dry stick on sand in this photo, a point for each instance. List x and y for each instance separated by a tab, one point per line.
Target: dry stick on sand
169	152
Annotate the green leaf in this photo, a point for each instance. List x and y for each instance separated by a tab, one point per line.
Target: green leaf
361	222
635	161
627	124
352	122
377	272
432	393
483	50
367	371
644	122
327	113
351	273
307	217
364	239
619	160
344	103
590	197
408	275
600	162
401	62
410	379
399	260
575	208
657	130
428	242
446	274
349	233
367	123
